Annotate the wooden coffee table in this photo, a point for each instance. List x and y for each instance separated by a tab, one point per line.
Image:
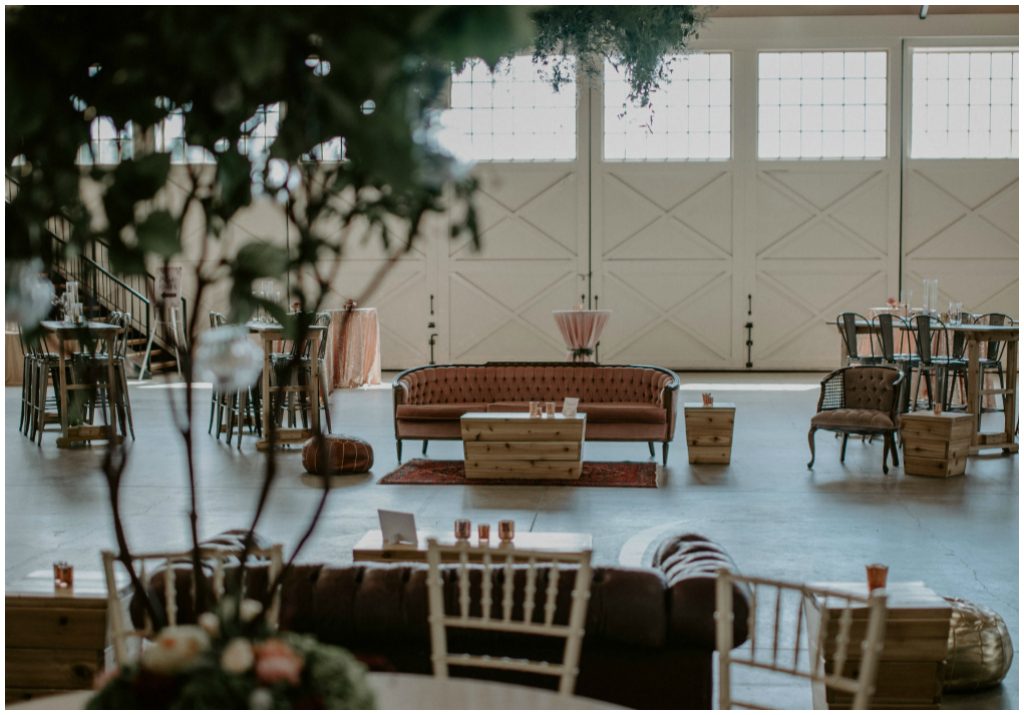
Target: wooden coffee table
911	663
372	547
513	445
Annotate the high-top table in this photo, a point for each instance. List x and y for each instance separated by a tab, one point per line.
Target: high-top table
271	334
107	333
975	335
353	348
581	330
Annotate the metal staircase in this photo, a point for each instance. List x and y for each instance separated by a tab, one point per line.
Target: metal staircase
151	343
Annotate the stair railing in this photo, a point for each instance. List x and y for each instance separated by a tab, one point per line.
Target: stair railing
128	294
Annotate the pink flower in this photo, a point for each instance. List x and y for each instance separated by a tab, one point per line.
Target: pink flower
276	662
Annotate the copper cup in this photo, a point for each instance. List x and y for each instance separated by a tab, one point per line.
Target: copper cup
549	409
483	532
534	409
463	529
877	575
506	530
63	575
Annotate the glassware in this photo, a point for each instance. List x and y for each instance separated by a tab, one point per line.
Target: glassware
549	409
63	575
227	357
534	408
907	299
463	529
483	532
877	576
506	530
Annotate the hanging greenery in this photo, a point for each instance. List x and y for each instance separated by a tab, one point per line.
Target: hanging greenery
639	41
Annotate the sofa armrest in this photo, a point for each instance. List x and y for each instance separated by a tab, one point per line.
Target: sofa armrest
690	563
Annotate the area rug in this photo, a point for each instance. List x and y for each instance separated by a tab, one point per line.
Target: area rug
595	474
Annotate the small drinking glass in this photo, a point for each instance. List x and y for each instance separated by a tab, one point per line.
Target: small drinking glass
534	409
463	529
506	530
483	532
63	575
549	409
877	576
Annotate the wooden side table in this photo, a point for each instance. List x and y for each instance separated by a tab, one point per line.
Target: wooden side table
936	445
504	445
709	432
55	641
914	651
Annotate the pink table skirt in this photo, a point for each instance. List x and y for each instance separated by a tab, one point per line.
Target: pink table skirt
353	348
581	329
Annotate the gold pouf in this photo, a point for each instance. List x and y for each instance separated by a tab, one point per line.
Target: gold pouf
979	651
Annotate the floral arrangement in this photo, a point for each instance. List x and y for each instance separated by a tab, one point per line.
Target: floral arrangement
233	660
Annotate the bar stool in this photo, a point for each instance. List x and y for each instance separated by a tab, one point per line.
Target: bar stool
992	360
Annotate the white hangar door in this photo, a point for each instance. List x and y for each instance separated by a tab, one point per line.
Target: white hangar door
497	301
664	261
824	241
961	226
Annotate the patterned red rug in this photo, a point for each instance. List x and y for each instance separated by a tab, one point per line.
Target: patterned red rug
595	474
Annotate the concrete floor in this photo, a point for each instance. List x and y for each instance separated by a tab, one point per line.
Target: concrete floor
774	516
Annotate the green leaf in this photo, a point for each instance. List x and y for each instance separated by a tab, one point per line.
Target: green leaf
158	234
260	259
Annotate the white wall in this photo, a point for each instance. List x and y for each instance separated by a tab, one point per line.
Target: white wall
676	248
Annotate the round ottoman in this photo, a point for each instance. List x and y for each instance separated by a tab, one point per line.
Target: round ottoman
979	650
340	455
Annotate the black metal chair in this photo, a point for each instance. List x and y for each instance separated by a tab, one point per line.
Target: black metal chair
895	353
847	324
939	356
992	359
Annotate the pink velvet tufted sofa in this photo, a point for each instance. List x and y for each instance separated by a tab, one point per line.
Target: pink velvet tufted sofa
623	403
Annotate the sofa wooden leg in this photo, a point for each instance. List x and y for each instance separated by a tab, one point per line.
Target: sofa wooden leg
650	446
398	446
425	443
895	451
885	454
664	454
842	451
810	441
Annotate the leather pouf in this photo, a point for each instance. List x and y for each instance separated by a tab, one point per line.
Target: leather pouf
343	455
979	651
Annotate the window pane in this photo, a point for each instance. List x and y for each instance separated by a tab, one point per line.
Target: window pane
689	116
964	102
511	115
821	105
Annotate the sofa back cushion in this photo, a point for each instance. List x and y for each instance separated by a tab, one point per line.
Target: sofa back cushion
869	388
522	383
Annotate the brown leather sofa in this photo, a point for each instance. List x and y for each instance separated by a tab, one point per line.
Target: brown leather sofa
623	403
650	632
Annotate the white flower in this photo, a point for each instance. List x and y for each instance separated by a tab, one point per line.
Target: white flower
249	610
210	623
237	656
261	699
175	649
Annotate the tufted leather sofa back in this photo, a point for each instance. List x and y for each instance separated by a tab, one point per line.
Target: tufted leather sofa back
522	383
869	388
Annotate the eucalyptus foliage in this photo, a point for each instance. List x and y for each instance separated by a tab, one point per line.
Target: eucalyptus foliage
638	40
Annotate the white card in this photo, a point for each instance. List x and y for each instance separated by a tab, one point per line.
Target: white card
397	527
569	406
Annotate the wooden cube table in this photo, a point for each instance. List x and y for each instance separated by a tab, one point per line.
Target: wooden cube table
509	445
55	641
936	445
910	666
709	432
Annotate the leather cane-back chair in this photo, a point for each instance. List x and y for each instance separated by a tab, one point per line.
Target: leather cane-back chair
859	400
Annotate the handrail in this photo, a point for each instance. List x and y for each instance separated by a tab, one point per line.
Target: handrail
115	287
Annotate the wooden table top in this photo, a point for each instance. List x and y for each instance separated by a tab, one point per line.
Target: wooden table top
520	417
908	598
716	406
371	546
88	586
403	691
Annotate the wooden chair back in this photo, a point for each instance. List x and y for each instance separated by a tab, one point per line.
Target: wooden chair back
799	631
168	565
497	611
